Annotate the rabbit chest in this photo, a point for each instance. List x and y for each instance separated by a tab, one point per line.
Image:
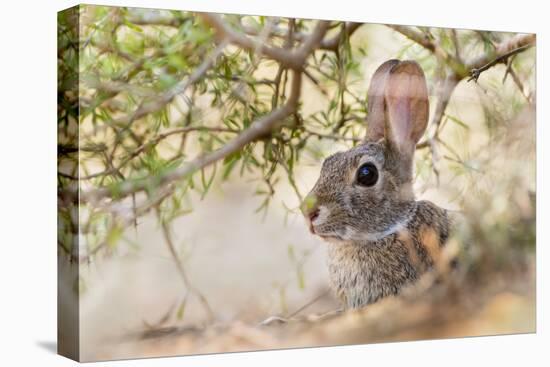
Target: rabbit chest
362	273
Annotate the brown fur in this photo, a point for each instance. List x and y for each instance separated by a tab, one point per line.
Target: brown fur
363	273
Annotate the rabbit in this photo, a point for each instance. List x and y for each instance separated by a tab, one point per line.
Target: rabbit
380	238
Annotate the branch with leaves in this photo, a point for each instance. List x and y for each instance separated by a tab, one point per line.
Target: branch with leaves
168	98
130	123
258	129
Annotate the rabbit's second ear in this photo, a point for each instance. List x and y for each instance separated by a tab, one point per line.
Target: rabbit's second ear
376	109
407	108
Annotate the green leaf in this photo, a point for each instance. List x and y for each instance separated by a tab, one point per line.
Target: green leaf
114	236
181	309
177	61
167	81
458	122
206	183
309	202
132	26
301	278
230	163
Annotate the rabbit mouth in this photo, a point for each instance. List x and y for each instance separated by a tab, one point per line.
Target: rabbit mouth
329	237
333	238
324	236
314	229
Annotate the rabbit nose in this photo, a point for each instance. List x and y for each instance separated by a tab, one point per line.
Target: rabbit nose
313	214
310	207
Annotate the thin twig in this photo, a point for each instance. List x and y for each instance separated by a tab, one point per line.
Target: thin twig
181	270
333	43
330	44
154	141
420	38
306	305
476	72
332	136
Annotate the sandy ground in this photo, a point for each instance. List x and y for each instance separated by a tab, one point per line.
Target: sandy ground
236	257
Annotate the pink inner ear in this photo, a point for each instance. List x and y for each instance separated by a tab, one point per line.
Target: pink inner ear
399	111
407	106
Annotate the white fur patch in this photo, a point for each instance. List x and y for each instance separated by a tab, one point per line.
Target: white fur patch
379	235
352	235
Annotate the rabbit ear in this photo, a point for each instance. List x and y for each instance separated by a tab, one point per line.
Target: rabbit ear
376	118
407	107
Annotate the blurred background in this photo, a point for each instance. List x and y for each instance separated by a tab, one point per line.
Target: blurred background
188	226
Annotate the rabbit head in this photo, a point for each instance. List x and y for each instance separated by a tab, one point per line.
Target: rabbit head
365	193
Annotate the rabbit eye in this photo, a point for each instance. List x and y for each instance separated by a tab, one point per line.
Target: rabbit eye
367	174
